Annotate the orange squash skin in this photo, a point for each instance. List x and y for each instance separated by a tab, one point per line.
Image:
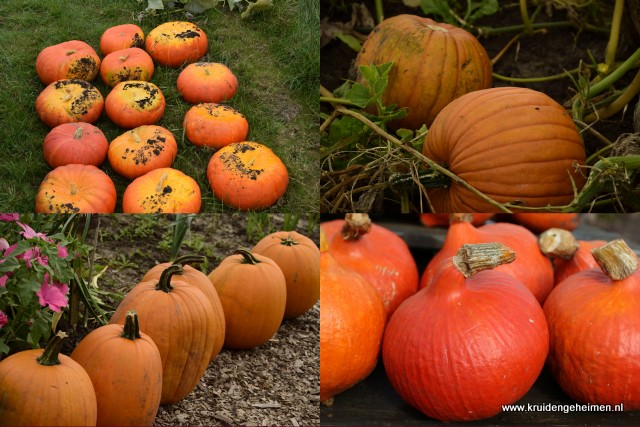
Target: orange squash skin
540	222
135	103
80	143
206	82
162	190
434	64
127	64
175	43
512	144
68	60
581	260
69	101
214	125
121	37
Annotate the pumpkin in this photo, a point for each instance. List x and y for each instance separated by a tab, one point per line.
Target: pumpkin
539	222
207	82
594	330
200	280
253	292
80	143
175	43
352	319
213	125
127	64
514	145
299	259
135	103
126	371
375	253
163	190
60	387
141	150
476	339
74	59
180	320
76	189
69	101
247	175
433	64
531	267
442	220
121	37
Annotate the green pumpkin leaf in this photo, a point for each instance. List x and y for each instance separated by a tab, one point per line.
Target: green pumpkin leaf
439	8
359	95
483	8
258	6
4	348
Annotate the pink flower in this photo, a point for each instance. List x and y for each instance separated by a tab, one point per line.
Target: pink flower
9	217
30	233
62	252
4	245
3	280
34	254
3	319
53	295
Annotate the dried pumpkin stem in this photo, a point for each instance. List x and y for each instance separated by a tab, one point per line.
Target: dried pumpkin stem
247	257
49	356
355	226
472	259
131	330
164	283
460	217
616	259
288	241
558	243
78	133
160	186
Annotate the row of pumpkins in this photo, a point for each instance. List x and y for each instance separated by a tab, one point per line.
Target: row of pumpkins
162	337
492	307
243	174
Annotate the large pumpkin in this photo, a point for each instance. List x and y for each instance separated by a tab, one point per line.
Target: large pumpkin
512	144
214	125
69	101
163	190
121	37
127	64
433	64
68	60
206	82
42	387
126	371
174	43
135	103
80	143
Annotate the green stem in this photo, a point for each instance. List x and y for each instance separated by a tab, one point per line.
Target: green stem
131	330
614	35
536	79
605	83
49	356
247	257
379	11
525	17
164	283
629	93
339	101
490	31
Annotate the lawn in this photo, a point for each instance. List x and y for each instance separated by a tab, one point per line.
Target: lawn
274	54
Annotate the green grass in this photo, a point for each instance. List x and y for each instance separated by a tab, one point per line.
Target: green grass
275	56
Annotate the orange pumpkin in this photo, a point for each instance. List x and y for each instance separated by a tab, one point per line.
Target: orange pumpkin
174	43
442	220
80	143
127	64
69	101
68	60
214	125
121	37
141	150
76	189
207	82
247	175
512	144
135	103
539	222
163	190
434	64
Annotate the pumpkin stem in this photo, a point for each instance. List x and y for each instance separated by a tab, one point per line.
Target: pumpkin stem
131	330
460	217
160	186
355	226
164	283
247	257
190	259
78	133
73	189
136	137
616	259
288	241
67	96
70	52
472	259
558	243
124	57
49	356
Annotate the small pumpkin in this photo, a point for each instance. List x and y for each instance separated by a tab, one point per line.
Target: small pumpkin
80	143
121	37
60	386
163	190
127	64
141	150
126	371
539	222
74	59
214	125
135	103
69	101
299	259
76	188
247	175
253	292
207	82
175	43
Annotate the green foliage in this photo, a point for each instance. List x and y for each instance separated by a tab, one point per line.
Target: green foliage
247	8
454	13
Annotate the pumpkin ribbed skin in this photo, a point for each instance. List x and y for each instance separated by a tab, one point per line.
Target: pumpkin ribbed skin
74	59
214	125
135	103
174	43
121	37
69	101
163	190
433	65
512	144
127	64
80	143
206	82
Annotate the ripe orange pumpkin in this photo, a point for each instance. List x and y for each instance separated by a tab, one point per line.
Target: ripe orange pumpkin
539	222
512	144
163	190
76	189
141	150
299	259
127	64
247	175
69	101
214	125
121	37
207	82
80	143
442	220
470	330
175	43
135	103
126	371
68	60
434	64
180	320
253	292
60	386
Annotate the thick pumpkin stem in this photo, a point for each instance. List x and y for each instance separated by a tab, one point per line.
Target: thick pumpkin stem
160	186
616	259
123	57
247	257
190	259
355	226
460	217
70	52
50	355
558	243
78	133
472	259
164	283
131	330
